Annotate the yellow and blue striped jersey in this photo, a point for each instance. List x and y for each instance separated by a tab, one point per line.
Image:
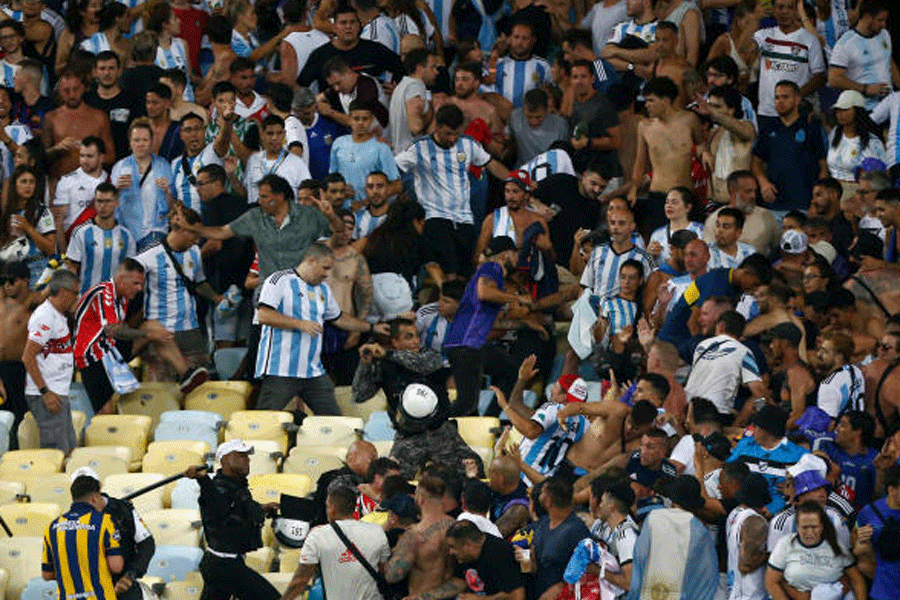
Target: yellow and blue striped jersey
76	545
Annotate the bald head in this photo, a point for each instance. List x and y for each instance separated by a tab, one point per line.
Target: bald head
504	473
359	455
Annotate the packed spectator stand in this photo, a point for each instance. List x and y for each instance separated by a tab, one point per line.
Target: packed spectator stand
537	300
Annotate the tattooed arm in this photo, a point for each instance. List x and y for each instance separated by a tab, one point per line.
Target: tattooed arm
363	291
403	558
754	534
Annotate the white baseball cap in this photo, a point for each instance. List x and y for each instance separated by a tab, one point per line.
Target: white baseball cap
232	446
849	99
85	472
808	462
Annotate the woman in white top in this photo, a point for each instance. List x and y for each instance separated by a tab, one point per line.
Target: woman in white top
27	231
854	138
171	52
812	559
679	203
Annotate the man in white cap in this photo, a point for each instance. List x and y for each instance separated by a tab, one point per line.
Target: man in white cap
232	524
136	542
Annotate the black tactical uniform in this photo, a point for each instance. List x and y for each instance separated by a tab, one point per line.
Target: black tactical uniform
232	523
136	542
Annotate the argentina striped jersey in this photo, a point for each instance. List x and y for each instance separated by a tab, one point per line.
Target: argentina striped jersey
166	299
98	251
601	274
185	191
366	223
516	77
549	163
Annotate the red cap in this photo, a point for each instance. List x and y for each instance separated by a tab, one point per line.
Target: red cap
574	386
520	177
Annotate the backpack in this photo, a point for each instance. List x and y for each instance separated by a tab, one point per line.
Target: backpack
888	544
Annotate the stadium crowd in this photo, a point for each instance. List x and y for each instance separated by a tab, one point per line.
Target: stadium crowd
657	238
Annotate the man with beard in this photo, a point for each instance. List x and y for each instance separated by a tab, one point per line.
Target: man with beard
843	387
514	219
66	126
351	283
15	310
521	71
578	200
761	229
376	206
773	300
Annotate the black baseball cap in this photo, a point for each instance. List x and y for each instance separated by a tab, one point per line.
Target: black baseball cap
499	244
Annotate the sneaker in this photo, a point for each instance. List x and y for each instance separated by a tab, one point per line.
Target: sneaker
193	379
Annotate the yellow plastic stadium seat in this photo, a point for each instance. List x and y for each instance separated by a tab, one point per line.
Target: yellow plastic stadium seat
268	488
288	560
196	446
383	447
29	519
222	397
260	425
106	460
329	431
4	581
150	400
313	461
279	581
51	455
182	590
20	557
120	485
174	526
349	408
171	461
260	560
50	488
25	470
120	430
9	492
476	431
27	434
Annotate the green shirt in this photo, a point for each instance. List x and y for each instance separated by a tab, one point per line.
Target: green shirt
281	248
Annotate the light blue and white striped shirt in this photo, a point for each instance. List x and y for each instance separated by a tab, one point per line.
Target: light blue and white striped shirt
166	299
96	44
9	73
138	24
243	46
546	452
185	191
142	208
642	31
889	110
441	175
382	29
98	251
366	223
601	274
516	77
19	134
289	352
503	224
619	314
432	327
719	259
442	10
549	163
176	57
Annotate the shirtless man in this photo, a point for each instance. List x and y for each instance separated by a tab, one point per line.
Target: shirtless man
15	309
773	300
474	105
218	28
351	283
421	552
665	144
513	219
668	63
887	392
66	126
37	31
792	379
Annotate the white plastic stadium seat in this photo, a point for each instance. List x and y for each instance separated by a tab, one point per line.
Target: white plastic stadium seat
173	563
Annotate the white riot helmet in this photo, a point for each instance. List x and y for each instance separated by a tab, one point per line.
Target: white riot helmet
418	406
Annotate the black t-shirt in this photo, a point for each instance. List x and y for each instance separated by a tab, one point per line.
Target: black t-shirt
140	78
367	57
122	110
230	264
495	570
599	115
577	211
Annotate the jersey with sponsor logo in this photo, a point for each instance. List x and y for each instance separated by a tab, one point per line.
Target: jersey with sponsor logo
49	329
795	56
99	251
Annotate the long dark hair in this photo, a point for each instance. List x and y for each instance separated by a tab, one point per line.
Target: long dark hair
409	8
865	129
828	532
396	234
74	19
33	206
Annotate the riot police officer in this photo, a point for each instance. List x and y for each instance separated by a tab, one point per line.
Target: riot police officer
137	544
232	523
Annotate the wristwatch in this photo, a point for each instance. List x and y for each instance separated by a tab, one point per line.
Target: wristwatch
43	390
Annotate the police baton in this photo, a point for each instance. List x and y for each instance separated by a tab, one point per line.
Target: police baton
5	527
150	487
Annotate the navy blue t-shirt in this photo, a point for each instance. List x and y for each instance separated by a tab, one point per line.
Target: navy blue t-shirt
792	154
887	574
553	548
716	282
857	471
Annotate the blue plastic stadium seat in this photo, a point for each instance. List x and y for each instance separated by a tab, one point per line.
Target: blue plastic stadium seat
379	428
203	417
187	430
79	400
227	361
39	589
173	563
185	494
